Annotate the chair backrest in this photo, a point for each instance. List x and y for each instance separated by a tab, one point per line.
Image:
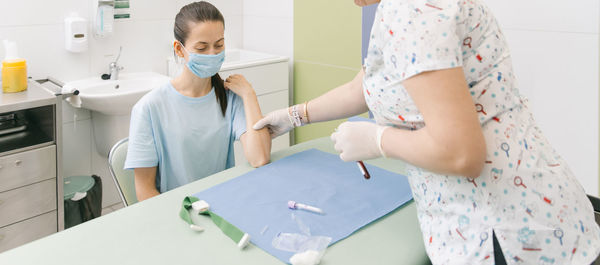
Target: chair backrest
596	204
124	179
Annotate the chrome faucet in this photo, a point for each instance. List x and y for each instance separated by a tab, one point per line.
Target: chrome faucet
113	68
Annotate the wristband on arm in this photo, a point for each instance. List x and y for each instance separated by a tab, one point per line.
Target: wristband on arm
296	119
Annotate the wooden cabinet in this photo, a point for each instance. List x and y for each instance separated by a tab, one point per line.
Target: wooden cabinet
31	203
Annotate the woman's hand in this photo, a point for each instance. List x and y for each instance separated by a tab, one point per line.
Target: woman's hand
239	85
256	143
358	140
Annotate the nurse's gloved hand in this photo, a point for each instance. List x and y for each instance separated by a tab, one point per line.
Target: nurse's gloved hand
358	140
278	122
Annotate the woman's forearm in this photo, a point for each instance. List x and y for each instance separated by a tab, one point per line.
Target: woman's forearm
341	102
256	143
145	186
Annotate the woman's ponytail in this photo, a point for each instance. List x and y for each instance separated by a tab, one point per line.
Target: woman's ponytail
220	92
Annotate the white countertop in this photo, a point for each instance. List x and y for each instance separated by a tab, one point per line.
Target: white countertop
34	96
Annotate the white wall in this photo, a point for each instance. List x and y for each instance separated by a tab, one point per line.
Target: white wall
555	46
269	27
37	27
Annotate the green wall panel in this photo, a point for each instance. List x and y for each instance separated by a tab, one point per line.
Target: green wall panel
310	81
327	53
327	32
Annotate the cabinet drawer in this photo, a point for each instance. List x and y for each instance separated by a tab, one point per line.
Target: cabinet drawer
27	167
271	102
28	201
31	229
266	78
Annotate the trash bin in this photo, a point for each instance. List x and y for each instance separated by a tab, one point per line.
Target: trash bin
82	199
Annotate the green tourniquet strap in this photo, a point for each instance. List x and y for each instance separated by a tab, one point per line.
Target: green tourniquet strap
185	209
228	229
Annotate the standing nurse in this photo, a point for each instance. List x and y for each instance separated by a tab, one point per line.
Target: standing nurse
489	187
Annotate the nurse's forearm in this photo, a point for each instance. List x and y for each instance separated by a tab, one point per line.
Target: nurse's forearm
442	156
341	102
256	143
452	141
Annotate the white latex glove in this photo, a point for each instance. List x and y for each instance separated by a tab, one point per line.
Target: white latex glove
358	140
277	122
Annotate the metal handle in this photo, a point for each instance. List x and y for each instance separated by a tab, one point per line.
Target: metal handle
18	162
59	84
66	95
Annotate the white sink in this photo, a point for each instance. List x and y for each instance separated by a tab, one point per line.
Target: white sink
110	103
116	97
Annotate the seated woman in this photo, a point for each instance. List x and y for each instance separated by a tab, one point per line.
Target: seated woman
184	130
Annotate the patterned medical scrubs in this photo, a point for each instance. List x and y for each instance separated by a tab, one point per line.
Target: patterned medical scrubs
526	194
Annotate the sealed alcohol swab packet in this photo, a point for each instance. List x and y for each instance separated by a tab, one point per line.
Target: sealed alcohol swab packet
293	242
309	249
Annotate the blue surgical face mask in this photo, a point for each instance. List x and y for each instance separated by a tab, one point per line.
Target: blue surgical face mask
205	65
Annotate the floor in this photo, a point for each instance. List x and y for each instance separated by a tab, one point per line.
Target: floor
112	208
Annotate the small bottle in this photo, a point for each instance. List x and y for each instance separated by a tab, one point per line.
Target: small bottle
14	70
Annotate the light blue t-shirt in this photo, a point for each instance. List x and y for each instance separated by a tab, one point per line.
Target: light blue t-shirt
187	138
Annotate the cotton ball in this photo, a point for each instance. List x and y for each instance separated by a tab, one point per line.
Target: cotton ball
309	257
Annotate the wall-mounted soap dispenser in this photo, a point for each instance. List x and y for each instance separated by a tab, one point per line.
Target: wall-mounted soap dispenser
104	18
76	34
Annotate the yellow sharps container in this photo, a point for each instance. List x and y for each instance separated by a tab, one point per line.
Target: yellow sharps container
14	75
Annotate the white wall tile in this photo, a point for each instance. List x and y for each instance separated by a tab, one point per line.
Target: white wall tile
77	146
548	15
146	45
559	74
227	7
269	34
269	8
40	12
232	12
70	114
43	48
234	32
153	9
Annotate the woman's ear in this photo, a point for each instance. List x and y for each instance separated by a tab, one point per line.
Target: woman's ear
178	49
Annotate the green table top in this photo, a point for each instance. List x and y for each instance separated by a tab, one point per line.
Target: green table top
150	232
